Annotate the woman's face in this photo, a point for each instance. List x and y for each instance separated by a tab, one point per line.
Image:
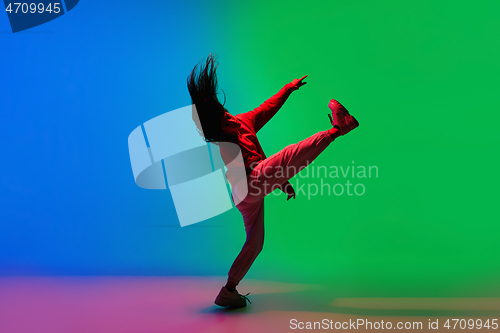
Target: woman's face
230	124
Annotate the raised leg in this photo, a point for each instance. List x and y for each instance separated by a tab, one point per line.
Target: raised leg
280	167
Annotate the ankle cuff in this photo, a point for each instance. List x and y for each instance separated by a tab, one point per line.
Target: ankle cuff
334	132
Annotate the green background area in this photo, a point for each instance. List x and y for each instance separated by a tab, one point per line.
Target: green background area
422	79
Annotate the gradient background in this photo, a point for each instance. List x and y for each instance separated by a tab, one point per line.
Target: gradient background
421	77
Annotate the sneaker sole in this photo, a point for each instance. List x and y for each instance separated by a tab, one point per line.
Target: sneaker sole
220	302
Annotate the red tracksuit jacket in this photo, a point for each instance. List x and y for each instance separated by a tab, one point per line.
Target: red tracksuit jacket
250	123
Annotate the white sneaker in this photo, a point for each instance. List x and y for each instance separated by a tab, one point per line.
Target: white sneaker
231	299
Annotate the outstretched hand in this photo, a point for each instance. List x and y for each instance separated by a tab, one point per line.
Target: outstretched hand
290	192
297	83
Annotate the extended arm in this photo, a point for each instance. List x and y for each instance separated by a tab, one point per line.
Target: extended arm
262	114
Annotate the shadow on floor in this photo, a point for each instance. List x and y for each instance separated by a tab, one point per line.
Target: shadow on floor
322	301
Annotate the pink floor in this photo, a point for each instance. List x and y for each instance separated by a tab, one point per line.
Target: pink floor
185	304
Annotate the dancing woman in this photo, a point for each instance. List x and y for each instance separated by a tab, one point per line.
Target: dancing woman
217	125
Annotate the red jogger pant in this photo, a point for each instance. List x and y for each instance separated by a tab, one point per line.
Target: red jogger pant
265	177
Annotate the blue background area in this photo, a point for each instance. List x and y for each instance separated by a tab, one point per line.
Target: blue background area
72	91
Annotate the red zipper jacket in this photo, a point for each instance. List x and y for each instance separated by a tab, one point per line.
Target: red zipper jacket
250	123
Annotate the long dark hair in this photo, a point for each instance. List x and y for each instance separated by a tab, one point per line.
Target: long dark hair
202	85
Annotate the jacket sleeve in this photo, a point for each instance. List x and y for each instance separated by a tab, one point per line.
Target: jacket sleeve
284	187
262	114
